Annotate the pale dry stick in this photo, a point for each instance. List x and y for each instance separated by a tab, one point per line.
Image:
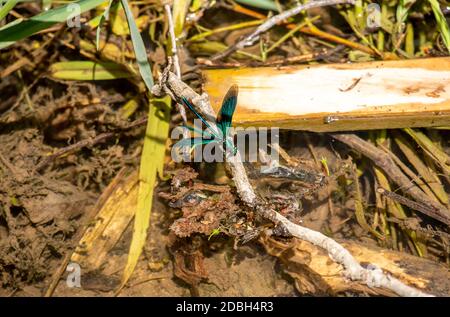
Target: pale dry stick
373	277
173	40
276	19
308	30
176	61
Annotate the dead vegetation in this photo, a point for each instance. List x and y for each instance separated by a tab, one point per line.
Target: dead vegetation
65	143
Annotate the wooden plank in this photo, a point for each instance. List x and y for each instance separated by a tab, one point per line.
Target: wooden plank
338	97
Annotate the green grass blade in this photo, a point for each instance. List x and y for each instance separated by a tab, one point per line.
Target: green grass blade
359	210
152	158
152	162
179	11
14	31
430	149
261	4
8	6
88	70
403	10
46	4
212	47
103	17
139	48
236	26
430	179
401	15
441	22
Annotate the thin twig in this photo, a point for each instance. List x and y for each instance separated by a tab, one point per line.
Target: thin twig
407	202
176	61
277	19
314	31
373	277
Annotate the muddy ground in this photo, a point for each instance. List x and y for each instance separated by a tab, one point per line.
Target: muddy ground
62	142
43	211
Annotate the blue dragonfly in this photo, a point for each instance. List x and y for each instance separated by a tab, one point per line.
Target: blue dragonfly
223	122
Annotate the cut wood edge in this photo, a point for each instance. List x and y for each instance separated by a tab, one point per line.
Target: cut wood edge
338	97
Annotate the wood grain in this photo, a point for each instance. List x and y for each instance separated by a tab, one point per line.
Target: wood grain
338	97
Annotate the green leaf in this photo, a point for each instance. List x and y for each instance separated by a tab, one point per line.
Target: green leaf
16	31
359	210
441	22
8	6
88	70
152	158
261	4
139	48
211	47
427	176
46	4
179	11
401	14
152	162
215	232
129	108
103	17
431	149
403	10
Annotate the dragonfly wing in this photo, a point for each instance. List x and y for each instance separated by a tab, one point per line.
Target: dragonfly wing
198	131
191	143
227	110
191	107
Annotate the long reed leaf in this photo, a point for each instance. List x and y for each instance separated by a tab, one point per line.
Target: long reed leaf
138	46
7	7
16	31
441	22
